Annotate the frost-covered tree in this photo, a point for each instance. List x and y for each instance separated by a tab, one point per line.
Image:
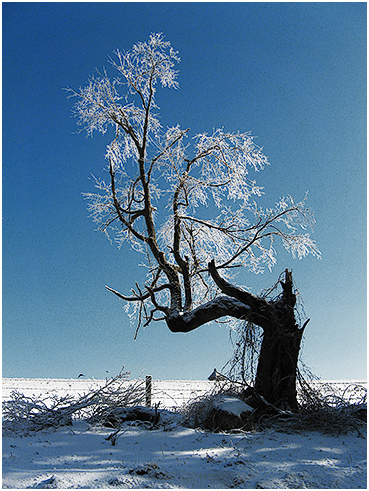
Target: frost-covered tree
188	204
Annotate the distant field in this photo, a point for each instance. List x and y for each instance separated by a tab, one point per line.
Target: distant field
170	393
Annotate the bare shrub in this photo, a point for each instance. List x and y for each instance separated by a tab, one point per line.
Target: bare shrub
323	407
22	414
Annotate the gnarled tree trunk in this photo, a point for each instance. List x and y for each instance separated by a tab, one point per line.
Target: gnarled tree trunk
277	365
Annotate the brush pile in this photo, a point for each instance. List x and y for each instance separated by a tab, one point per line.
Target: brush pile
23	414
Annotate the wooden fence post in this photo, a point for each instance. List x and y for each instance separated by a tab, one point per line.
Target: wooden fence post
148	390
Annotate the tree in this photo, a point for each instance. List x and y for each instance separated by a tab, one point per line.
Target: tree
184	204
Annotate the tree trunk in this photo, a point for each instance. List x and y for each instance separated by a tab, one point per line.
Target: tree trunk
277	365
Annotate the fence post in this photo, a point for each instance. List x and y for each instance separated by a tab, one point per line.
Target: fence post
148	390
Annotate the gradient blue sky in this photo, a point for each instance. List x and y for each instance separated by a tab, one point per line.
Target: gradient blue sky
292	73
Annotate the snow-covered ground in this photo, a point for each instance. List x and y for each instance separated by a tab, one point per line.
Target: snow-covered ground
177	457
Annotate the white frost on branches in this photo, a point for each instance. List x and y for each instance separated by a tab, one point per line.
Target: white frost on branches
179	201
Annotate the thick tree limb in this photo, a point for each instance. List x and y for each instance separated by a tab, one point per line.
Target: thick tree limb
231	290
213	310
259	307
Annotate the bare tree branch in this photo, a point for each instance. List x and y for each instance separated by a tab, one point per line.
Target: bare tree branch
211	197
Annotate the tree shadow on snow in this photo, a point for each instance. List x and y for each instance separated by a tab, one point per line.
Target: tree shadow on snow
81	456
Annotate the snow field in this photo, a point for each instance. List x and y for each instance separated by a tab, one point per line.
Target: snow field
80	457
170	393
173	456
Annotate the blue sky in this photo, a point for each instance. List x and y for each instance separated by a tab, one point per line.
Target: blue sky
292	73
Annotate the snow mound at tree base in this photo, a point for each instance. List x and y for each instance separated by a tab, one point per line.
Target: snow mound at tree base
228	413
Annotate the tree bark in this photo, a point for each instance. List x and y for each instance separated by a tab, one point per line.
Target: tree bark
277	368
